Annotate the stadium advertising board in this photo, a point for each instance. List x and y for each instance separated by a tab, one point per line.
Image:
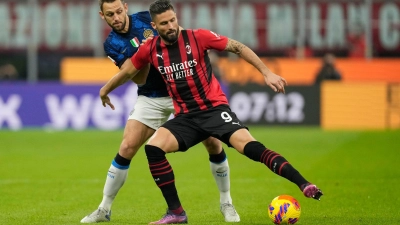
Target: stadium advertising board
57	107
259	105
75	25
304	72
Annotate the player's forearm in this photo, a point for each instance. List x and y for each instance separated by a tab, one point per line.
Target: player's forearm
251	57
127	72
116	81
247	54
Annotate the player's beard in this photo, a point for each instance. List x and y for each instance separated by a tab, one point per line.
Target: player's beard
121	28
170	37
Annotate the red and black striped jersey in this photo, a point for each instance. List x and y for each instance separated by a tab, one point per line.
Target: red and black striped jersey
186	68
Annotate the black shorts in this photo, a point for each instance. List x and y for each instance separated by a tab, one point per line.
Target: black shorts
193	128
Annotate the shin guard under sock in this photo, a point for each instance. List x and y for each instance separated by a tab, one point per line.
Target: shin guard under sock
275	162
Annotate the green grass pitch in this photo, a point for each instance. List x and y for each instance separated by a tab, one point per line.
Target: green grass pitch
58	177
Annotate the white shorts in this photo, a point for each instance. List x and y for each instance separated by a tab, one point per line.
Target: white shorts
153	112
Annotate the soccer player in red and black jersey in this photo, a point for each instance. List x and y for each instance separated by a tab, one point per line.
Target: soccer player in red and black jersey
202	109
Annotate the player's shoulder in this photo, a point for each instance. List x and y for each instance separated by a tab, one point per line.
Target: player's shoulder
195	32
112	39
202	32
115	43
112	35
143	16
199	30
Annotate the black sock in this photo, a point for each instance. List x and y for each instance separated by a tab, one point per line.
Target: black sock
217	158
164	177
275	162
121	160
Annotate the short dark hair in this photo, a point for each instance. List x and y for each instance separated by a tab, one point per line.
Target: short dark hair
101	2
159	7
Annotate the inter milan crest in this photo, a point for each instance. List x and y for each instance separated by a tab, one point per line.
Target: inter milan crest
188	49
147	33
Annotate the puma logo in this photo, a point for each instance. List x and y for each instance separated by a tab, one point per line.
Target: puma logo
237	123
160	56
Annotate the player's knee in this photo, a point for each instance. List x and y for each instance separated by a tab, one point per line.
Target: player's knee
252	149
213	149
130	147
213	145
153	153
127	153
253	145
240	138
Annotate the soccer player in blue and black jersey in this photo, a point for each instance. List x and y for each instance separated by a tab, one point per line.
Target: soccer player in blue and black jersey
153	107
202	109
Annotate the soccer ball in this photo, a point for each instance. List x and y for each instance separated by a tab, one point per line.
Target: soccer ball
284	209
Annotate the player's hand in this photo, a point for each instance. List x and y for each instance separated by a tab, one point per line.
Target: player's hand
105	100
275	82
147	39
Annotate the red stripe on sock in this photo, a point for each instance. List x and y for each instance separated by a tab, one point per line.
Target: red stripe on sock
151	170
159	163
168	182
269	154
263	155
155	174
280	168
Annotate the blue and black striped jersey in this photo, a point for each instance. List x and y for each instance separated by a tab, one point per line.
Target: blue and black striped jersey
121	46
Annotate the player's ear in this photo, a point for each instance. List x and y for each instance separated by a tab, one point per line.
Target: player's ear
126	7
153	25
101	14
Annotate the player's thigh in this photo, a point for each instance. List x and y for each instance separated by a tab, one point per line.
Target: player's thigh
153	112
165	140
147	116
135	135
213	145
186	133
240	138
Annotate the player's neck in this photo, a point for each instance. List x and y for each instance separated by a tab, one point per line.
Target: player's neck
127	24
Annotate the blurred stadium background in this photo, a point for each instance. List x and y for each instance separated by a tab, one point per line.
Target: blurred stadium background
52	62
52	65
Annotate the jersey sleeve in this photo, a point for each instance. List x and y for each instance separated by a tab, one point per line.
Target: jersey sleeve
117	58
142	57
211	40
